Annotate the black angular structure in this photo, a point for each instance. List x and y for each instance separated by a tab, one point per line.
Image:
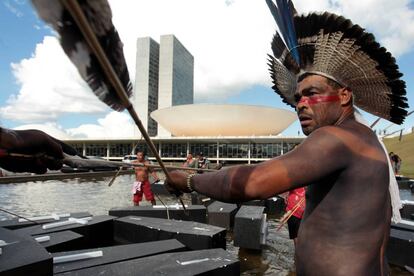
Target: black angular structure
13	224
198	199
62	241
195	212
193	235
23	256
221	214
407	209
159	188
119	253
400	249
275	206
404	224
200	262
405	184
250	227
97	233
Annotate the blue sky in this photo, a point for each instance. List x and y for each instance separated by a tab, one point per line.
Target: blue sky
224	73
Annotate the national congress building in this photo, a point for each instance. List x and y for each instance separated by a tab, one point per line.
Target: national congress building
163	98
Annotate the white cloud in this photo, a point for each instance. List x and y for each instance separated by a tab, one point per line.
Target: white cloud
50	87
49	127
228	38
113	125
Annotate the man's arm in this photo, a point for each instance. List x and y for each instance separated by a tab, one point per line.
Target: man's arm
45	150
321	154
152	171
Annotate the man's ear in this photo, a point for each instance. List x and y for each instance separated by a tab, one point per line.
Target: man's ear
345	96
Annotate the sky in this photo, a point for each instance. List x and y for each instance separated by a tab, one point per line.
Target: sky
229	39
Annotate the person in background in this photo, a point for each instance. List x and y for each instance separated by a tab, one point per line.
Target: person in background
142	186
295	204
190	162
202	161
396	160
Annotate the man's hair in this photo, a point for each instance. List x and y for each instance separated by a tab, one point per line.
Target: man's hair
138	151
333	84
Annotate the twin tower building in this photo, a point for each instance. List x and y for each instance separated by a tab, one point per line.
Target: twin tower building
164	77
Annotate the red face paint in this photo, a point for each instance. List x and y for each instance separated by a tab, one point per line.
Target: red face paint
318	99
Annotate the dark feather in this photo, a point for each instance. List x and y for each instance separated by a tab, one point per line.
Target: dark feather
283	14
99	16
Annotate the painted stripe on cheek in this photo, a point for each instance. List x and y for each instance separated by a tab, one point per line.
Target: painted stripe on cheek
319	99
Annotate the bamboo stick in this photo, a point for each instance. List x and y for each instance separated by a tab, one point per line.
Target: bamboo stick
290	213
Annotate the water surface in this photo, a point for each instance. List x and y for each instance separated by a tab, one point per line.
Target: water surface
94	195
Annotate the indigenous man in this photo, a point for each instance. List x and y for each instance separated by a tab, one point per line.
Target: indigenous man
331	64
142	186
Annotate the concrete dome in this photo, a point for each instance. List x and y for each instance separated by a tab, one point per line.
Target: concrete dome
223	120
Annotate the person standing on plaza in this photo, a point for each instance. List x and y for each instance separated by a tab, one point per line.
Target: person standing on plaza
202	161
190	162
142	186
295	207
397	163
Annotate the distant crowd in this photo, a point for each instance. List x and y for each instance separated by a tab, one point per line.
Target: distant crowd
199	162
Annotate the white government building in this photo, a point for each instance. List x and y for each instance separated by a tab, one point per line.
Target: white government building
163	98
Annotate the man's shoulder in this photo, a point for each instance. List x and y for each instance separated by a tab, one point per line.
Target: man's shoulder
349	132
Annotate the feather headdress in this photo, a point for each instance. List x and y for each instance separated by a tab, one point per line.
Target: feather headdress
75	44
332	46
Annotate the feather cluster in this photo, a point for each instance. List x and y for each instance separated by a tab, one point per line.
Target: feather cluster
333	46
99	15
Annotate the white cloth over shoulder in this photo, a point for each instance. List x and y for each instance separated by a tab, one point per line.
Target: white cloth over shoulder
393	185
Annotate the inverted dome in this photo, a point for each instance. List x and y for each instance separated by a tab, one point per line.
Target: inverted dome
223	120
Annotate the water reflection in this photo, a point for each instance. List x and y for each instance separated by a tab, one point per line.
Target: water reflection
94	195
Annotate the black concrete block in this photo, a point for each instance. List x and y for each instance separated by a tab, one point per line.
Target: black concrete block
407	210
400	249
275	206
23	256
256	202
62	241
199	199
407	225
222	214
405	184
13	224
98	232
159	188
195	212
119	253
250	227
200	262
194	235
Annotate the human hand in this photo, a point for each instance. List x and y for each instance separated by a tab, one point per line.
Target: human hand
177	182
45	151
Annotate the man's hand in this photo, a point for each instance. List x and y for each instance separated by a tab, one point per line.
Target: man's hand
46	151
177	183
